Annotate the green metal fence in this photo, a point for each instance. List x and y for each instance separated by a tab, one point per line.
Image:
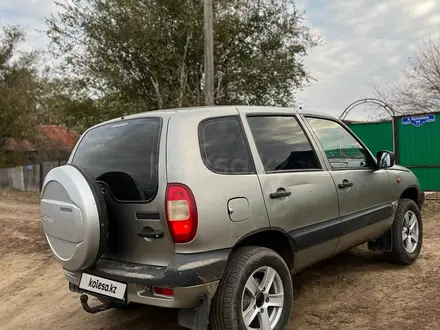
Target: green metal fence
418	146
377	136
417	142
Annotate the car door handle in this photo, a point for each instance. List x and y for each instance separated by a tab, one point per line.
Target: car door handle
281	193
345	184
148	232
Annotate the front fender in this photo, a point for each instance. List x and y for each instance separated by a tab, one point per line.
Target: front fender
405	182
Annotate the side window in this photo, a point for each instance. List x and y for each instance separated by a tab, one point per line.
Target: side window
224	147
341	148
282	144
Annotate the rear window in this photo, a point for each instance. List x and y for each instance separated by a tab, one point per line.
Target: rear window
224	146
124	156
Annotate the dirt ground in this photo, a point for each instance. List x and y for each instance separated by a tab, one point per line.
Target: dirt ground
355	290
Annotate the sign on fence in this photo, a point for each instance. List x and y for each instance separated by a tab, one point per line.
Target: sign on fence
418	121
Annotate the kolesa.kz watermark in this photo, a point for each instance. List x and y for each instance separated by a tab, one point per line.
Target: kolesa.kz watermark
103	286
95	284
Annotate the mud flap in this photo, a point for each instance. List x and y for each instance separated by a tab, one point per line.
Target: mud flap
196	318
387	240
384	243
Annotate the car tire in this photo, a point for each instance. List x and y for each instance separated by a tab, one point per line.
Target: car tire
248	266
404	248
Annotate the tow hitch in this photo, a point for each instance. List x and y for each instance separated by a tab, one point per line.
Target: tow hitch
96	309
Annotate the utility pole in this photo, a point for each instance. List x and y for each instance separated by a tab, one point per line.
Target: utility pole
209	52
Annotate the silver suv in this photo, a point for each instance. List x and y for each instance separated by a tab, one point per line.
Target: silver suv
210	210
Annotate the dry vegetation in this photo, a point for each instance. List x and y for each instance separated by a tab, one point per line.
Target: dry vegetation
19	196
355	290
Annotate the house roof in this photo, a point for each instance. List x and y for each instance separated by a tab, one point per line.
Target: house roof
60	136
54	136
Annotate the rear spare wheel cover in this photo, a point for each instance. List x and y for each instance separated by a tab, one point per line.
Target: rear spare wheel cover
74	217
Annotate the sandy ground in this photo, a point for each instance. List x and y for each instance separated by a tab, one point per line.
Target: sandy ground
355	290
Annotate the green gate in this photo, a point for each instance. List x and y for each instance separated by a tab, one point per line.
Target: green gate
376	135
416	140
418	147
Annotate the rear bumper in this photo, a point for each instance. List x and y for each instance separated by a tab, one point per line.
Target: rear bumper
189	275
185	297
185	270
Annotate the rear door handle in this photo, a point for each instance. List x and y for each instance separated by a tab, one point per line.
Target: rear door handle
345	184
148	232
280	193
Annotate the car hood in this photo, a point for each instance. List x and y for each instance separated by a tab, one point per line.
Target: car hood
398	168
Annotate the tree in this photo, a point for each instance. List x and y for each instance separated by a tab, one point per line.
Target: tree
419	90
18	87
64	101
149	54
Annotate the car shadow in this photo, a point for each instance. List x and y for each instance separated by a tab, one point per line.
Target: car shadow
145	318
338	280
358	260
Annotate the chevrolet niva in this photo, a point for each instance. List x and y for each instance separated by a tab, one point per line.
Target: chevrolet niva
211	210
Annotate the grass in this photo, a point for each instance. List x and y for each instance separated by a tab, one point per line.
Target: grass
431	207
19	196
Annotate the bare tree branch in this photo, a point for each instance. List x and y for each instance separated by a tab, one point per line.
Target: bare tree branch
218	92
158	95
419	90
182	70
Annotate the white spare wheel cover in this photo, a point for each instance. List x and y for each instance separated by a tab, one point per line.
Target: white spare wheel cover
74	217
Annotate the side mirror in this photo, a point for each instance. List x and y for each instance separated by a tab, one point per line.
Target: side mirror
385	159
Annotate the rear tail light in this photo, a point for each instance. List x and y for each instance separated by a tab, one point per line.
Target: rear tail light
163	291
181	213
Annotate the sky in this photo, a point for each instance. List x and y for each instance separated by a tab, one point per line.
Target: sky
364	42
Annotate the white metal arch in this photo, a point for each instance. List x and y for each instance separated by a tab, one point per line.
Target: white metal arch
353	105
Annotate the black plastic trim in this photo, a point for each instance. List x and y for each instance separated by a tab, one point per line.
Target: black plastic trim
421	199
309	236
352	223
185	270
296	171
143	215
267	229
101	206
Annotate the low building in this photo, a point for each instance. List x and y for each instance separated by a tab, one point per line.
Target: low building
55	143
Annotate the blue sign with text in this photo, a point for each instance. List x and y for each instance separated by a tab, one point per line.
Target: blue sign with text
418	121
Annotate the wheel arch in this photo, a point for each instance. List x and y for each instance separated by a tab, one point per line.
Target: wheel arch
411	192
271	238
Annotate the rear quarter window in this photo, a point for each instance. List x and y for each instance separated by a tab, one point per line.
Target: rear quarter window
124	156
224	147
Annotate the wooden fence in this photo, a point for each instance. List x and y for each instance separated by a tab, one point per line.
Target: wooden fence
26	178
